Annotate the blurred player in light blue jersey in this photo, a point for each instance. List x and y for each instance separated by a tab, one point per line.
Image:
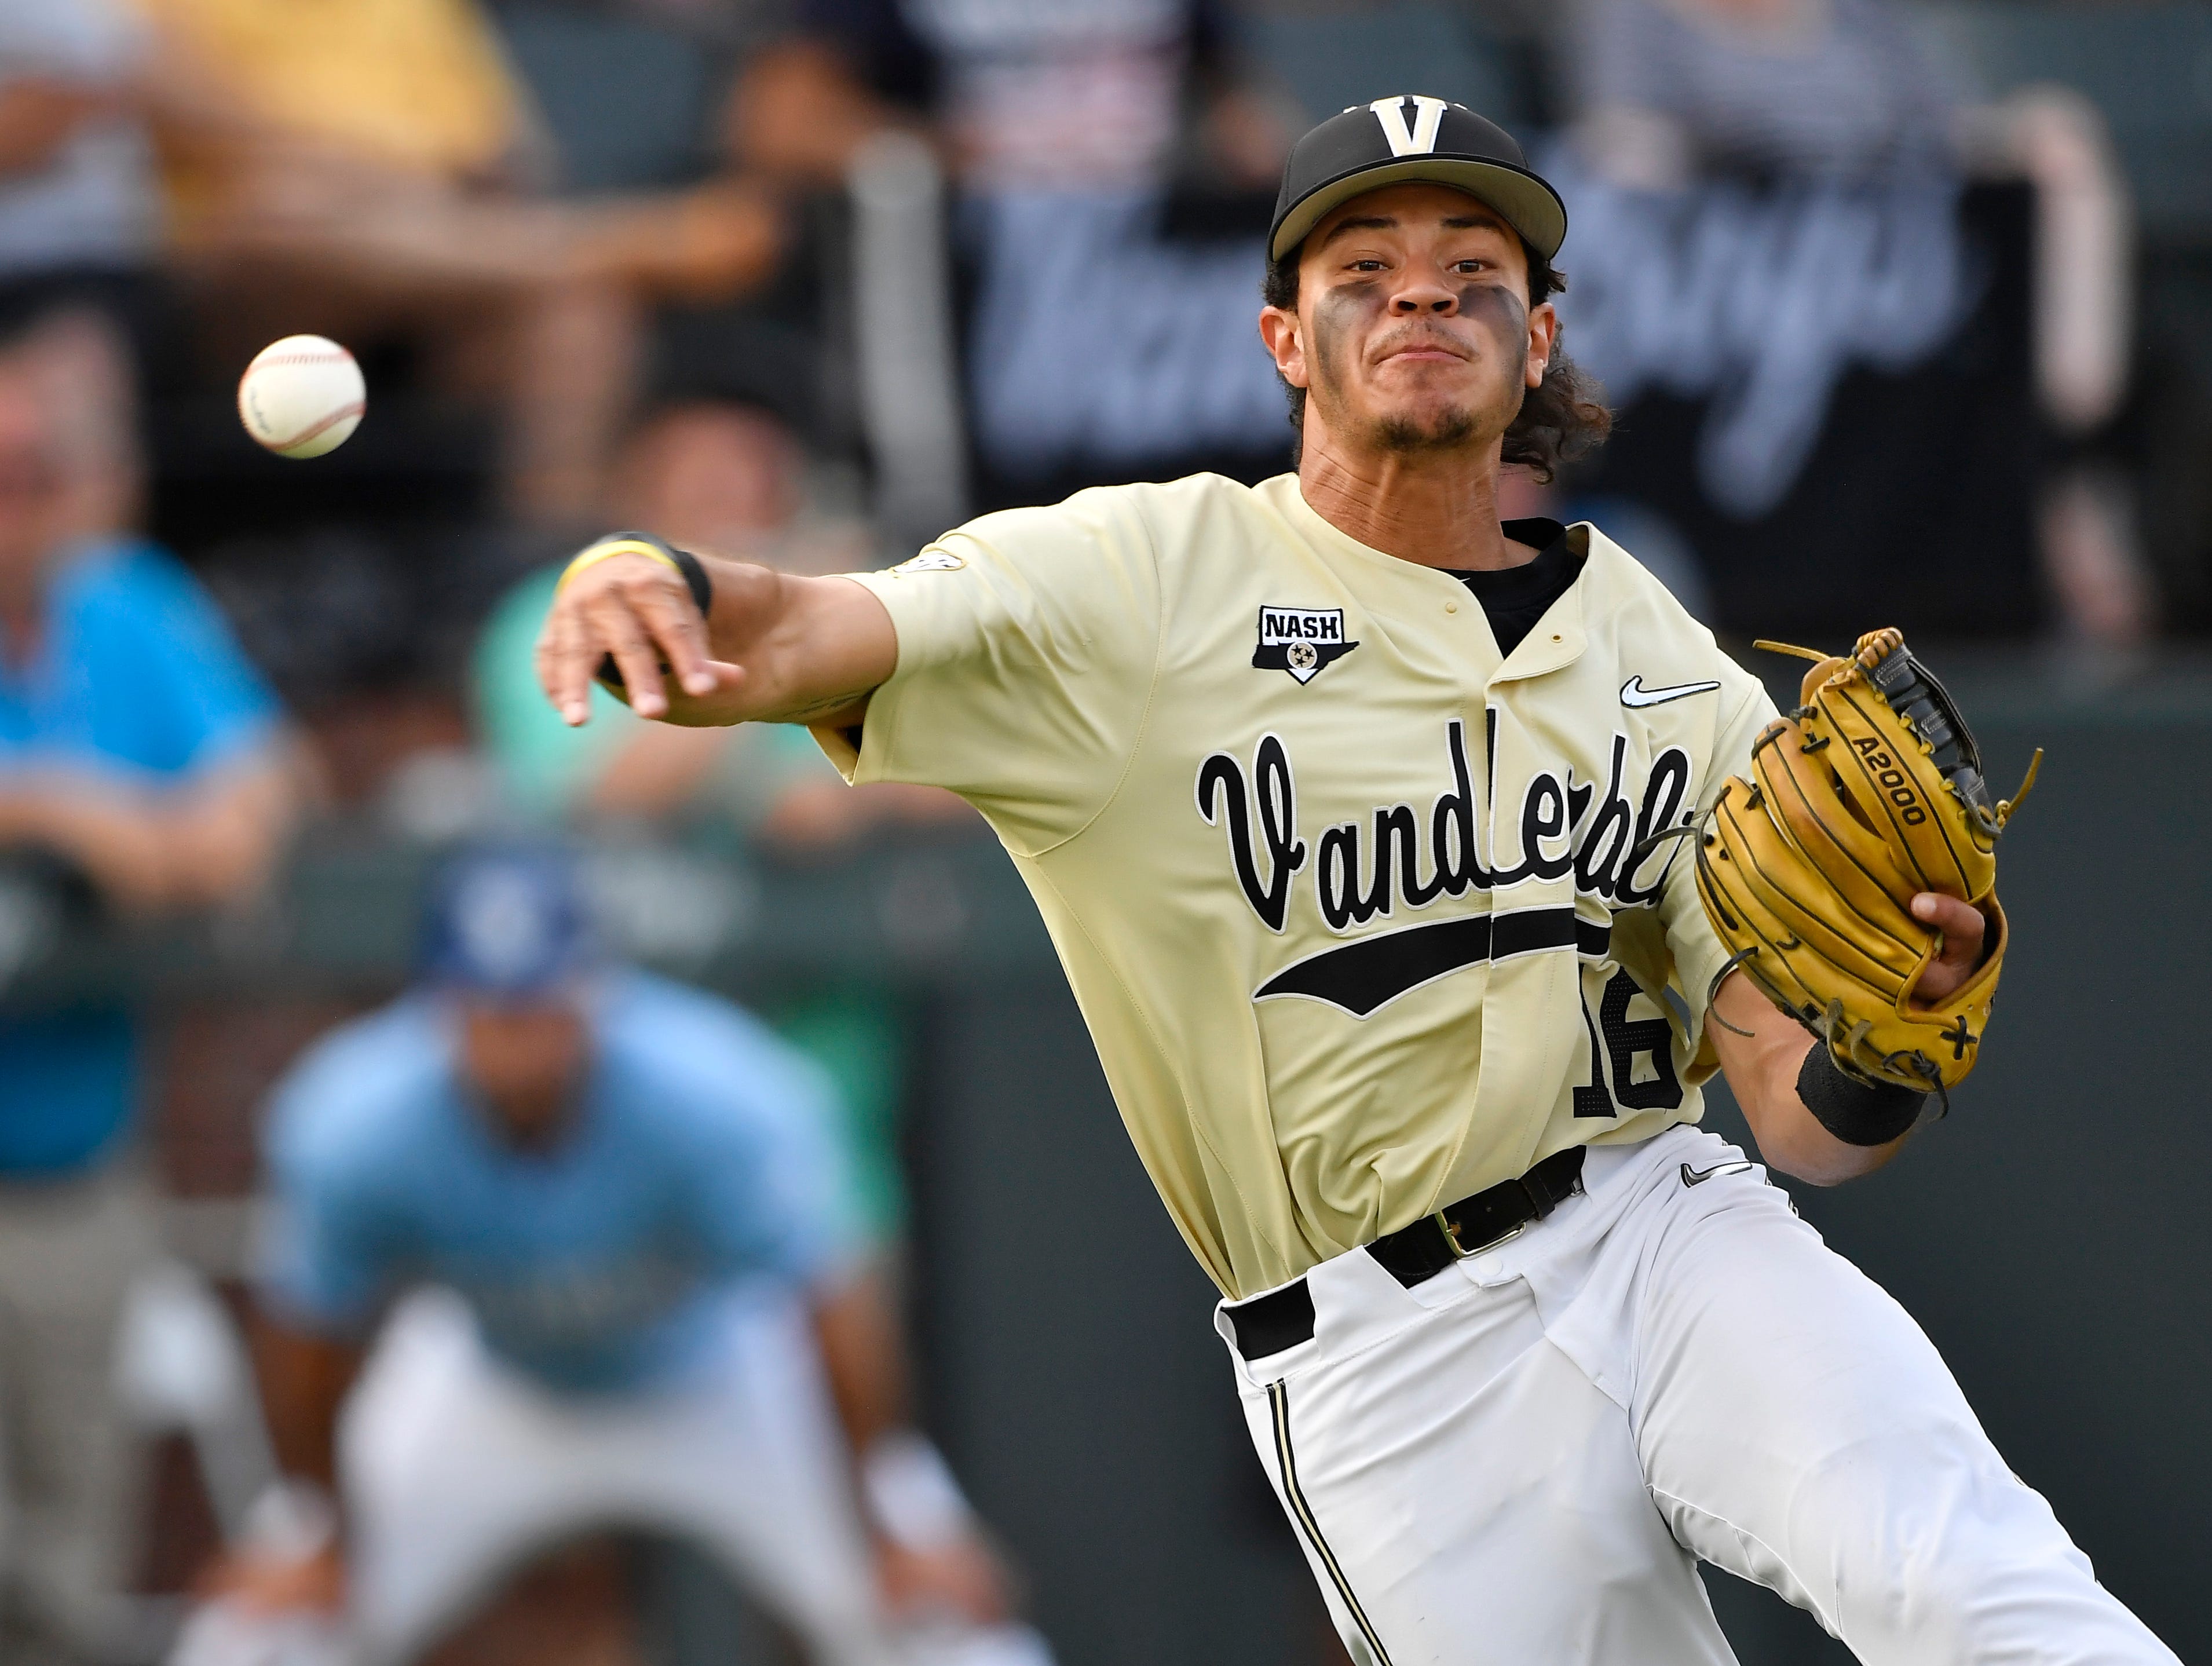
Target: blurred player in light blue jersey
629	1294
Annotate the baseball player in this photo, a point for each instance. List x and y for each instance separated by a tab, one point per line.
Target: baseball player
1346	805
636	1300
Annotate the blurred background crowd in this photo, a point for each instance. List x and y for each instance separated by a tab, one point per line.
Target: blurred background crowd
1905	307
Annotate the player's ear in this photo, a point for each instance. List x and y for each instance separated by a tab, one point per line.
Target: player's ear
1285	342
1543	337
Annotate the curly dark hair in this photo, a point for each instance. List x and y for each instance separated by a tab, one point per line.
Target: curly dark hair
1562	419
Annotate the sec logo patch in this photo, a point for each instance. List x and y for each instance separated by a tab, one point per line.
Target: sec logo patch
932	561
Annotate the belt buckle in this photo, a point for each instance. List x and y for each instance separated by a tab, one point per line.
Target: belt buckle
1462	1252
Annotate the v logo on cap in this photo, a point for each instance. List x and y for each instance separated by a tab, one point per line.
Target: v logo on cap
1366	146
1428	113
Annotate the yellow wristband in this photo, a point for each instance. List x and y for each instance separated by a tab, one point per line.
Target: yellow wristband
606	549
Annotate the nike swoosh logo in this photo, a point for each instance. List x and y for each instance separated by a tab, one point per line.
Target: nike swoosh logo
1633	693
1699	1177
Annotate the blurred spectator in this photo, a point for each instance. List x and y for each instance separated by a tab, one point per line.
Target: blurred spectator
637	1296
1066	121
1835	93
144	764
1078	93
78	205
1669	90
730	480
717	478
383	178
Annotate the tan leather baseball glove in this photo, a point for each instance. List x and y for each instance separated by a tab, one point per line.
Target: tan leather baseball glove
1869	793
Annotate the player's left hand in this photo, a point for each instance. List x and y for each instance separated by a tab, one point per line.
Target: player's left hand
1963	929
962	1576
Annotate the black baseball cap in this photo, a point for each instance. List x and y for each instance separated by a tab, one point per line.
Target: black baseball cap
1414	137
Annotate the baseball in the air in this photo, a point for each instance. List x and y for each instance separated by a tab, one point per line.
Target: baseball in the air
301	396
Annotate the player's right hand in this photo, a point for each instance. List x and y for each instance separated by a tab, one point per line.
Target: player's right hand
639	612
778	647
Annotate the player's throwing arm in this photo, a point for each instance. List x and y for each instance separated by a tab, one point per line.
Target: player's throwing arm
704	641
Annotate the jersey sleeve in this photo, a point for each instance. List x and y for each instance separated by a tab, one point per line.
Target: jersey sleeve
772	1189
322	1250
1697	952
211	704
1027	642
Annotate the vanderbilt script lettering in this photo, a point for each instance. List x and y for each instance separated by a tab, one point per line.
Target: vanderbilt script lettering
1367	869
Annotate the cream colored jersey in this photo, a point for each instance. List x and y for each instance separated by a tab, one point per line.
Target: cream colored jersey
1362	920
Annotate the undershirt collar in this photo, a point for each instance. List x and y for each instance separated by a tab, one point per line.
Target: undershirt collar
1514	598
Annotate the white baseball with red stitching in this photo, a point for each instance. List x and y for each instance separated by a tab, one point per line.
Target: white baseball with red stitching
301	396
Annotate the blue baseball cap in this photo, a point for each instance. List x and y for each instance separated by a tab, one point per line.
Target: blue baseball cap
508	921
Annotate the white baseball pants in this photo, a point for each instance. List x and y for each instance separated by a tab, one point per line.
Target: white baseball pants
458	1469
1523	1458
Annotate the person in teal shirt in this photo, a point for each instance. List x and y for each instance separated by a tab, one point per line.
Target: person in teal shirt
733	480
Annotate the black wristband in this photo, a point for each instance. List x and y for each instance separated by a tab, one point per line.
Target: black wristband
694	576
1854	1113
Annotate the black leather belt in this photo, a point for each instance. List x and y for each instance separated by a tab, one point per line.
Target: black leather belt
1413	1255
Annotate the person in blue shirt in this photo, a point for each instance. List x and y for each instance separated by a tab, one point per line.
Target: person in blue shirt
630	1292
145	767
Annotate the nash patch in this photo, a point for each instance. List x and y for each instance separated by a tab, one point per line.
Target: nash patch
1302	641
